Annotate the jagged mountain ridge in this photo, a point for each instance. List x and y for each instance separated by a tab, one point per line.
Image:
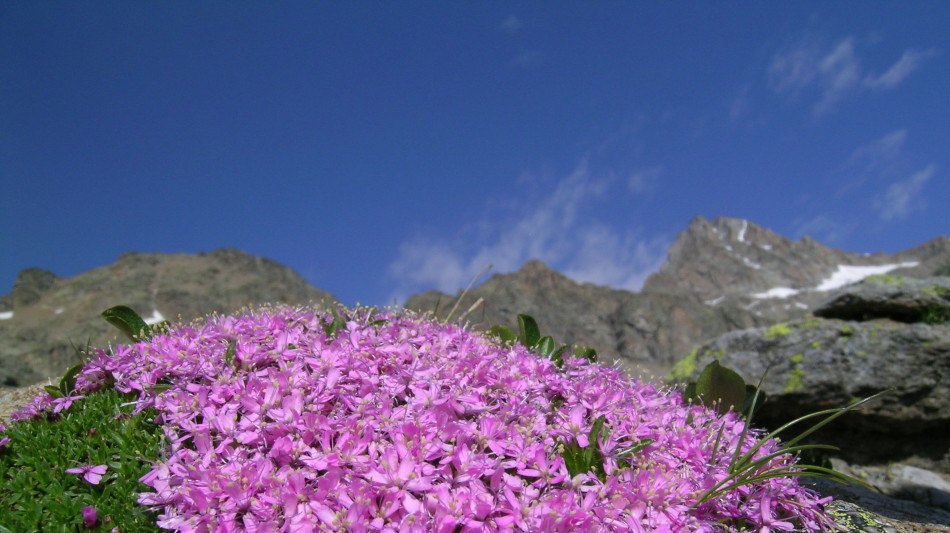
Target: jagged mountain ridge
720	275
706	287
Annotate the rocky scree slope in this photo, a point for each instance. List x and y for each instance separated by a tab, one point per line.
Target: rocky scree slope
720	275
44	315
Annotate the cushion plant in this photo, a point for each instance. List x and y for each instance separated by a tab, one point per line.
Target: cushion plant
294	420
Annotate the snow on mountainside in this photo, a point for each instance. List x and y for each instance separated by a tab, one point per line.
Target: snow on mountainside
729	261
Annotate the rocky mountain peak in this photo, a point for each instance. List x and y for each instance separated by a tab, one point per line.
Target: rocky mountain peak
30	285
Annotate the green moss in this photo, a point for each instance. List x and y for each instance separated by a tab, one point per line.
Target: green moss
847	331
860	354
796	380
935	290
797	358
884	278
816	344
811	323
778	330
684	368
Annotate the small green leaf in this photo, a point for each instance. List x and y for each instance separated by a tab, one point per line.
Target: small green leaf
545	346
162	327
637	447
503	333
128	321
229	354
750	396
586	352
689	393
558	356
68	382
335	325
530	332
53	391
720	386
598	431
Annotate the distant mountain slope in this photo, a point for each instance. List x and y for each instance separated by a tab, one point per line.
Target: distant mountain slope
720	275
44	313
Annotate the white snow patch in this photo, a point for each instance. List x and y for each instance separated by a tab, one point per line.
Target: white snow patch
728	247
745	225
801	305
6	315
847	274
751	263
155	318
59	310
766	246
777	292
714	302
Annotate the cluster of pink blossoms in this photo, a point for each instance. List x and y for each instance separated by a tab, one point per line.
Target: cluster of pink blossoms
397	423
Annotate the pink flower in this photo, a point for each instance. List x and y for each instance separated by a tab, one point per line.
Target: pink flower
90	517
63	403
92	474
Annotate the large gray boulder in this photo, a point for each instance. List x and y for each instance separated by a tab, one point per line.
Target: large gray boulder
820	363
894	297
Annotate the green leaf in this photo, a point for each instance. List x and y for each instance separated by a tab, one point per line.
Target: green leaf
752	394
720	386
68	383
586	352
545	346
128	321
689	393
637	447
229	354
530	332
334	326
558	356
162	327
503	333
53	391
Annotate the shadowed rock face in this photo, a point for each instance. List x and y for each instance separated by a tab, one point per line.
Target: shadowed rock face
50	313
821	363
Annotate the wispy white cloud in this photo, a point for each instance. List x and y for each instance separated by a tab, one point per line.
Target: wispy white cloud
823	229
525	58
905	66
879	153
904	197
835	72
839	73
644	179
511	24
560	228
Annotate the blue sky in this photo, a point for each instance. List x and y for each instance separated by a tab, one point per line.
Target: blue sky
381	149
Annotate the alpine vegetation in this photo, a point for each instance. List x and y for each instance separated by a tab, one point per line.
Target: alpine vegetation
293	420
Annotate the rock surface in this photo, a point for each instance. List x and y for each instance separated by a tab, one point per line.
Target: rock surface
50	314
872	336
